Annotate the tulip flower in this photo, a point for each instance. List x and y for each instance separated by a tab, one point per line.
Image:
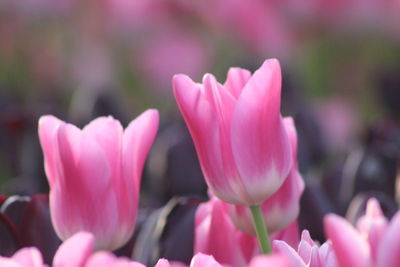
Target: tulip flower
94	175
375	241
283	207
308	252
216	235
239	134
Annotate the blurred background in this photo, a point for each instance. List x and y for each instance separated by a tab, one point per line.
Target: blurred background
79	59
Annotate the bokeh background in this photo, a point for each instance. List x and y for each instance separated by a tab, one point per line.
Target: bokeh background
79	59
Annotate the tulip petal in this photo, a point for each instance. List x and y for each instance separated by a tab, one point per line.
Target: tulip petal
202	260
270	260
389	247
216	235
236	80
75	251
282	248
204	129
162	263
29	257
350	248
108	132
105	258
48	127
137	140
260	144
74	200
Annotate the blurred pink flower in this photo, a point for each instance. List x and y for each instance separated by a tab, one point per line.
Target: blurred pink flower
169	53
283	207
308	252
215	234
77	251
94	175
338	121
25	257
239	134
257	24
374	242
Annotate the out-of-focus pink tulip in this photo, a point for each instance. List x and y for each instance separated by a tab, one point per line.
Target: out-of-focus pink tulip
77	251
374	242
239	134
307	254
216	235
270	261
281	208
94	175
25	257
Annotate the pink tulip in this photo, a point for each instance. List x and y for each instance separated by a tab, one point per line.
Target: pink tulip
25	257
216	235
374	242
307	254
94	175
283	207
239	134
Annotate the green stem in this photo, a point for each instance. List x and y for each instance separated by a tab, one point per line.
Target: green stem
261	229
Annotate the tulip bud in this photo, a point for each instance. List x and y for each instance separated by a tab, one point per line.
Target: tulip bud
239	134
94	175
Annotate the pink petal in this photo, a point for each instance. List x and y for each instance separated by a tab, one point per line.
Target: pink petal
216	235
105	258
271	260
7	262
162	263
349	246
74	200
282	248
292	133
236	80
223	104
28	257
108	132
137	141
260	144
200	118
389	247
48	127
75	251
202	260
283	207
305	246
373	225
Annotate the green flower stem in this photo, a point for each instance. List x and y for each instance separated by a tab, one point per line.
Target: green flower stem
261	229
